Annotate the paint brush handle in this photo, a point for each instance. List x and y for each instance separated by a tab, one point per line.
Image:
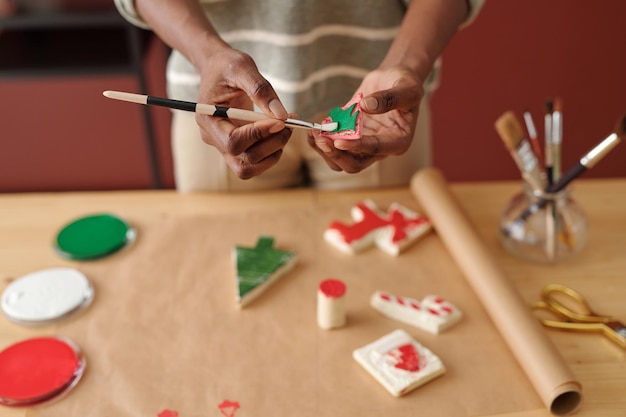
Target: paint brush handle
212	110
557	138
532	135
548	159
574	172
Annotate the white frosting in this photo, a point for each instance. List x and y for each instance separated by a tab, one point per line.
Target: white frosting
46	295
384	239
432	314
380	357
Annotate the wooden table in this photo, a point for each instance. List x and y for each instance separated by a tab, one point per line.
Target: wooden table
29	222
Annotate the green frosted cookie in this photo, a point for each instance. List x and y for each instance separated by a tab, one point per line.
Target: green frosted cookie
259	267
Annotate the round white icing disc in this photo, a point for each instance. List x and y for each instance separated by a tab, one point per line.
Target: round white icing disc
46	296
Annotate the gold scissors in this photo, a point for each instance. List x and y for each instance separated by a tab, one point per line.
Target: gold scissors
574	314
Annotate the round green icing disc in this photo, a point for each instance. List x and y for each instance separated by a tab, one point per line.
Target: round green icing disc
93	237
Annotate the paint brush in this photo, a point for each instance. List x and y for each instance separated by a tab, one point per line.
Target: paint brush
586	162
211	110
547	129
532	134
519	147
591	158
557	137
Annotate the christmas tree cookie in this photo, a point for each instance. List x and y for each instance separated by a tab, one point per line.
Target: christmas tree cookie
259	267
349	119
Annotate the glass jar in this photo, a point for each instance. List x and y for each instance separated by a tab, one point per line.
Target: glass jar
542	227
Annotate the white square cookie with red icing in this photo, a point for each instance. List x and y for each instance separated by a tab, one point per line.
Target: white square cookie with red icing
433	314
392	231
399	363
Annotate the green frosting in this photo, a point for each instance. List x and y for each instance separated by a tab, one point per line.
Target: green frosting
92	237
256	265
345	119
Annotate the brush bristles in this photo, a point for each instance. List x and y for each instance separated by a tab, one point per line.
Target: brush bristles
329	127
620	130
510	130
549	106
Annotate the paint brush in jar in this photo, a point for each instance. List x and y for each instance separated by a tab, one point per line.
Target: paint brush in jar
532	134
557	139
521	151
547	129
591	158
585	163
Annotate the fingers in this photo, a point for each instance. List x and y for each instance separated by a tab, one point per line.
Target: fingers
245	170
397	97
388	134
264	150
371	145
374	145
340	160
263	95
233	80
249	149
324	147
258	88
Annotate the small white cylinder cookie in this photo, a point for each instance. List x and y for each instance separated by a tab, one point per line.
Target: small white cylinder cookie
330	304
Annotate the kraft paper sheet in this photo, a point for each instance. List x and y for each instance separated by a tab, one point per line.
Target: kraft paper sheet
164	331
545	367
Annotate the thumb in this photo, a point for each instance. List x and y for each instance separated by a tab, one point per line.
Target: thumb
399	97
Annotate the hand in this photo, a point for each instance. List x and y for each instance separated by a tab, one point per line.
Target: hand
231	79
390	109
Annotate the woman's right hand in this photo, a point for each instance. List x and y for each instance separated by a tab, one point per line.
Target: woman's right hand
230	78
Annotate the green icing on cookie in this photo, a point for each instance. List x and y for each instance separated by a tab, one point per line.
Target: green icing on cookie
345	119
256	265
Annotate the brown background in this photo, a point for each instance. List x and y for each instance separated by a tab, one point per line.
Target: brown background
58	133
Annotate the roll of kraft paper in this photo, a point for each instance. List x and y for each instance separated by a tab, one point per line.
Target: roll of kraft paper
513	318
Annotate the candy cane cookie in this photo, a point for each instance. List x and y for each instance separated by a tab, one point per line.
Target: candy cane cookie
433	314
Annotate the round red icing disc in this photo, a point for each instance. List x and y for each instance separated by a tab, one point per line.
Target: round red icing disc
333	288
38	369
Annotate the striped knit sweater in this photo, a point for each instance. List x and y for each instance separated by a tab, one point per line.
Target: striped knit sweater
313	52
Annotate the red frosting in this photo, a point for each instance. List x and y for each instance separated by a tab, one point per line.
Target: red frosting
228	408
333	288
372	221
406	357
36	369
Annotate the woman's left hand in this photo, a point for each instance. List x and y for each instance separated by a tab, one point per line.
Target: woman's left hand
390	109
